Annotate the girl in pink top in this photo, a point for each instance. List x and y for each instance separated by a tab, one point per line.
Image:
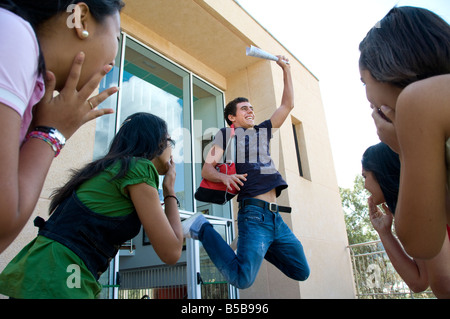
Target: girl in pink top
69	44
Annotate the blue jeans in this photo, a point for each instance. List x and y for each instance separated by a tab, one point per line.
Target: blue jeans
262	234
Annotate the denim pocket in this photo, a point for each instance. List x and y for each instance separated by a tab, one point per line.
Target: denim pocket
251	215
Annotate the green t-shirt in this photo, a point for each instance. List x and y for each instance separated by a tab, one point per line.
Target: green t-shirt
47	269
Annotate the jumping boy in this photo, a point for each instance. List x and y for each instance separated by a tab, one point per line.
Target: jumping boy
262	231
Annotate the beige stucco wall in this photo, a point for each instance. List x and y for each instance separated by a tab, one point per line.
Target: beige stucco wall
317	217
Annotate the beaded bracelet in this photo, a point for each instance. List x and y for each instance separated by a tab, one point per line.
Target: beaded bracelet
53	142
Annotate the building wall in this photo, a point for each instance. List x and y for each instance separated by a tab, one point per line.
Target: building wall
317	218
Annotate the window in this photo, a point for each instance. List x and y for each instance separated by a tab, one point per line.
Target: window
150	83
300	147
193	110
208	104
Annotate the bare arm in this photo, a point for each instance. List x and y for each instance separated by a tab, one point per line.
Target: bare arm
163	227
210	173
413	272
23	169
439	272
20	182
287	100
421	123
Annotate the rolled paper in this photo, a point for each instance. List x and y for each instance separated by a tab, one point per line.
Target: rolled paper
258	53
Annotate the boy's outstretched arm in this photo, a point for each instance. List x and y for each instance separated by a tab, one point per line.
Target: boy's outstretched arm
287	101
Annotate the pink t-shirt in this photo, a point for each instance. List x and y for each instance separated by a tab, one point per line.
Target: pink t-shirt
20	85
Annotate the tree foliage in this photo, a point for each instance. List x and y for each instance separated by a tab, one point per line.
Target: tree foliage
375	277
356	212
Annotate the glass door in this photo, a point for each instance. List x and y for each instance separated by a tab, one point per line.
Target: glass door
153	84
193	110
208	105
150	83
206	282
213	284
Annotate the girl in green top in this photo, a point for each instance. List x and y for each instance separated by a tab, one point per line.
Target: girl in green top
103	204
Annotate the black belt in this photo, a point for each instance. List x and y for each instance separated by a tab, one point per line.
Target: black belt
273	207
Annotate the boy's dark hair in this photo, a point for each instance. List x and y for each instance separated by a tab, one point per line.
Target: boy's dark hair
407	45
230	109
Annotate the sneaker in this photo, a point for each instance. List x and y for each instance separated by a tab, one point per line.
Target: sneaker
192	225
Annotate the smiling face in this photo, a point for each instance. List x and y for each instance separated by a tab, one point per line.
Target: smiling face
245	117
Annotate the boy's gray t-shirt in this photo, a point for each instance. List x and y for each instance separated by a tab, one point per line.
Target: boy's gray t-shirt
253	157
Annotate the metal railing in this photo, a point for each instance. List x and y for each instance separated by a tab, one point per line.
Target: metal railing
159	282
375	277
166	282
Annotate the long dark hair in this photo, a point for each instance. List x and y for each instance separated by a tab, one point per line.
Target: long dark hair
384	163
142	135
37	12
407	45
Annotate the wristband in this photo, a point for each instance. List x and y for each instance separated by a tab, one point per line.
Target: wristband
53	132
50	140
178	202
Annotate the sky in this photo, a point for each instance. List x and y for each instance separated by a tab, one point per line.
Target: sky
324	35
